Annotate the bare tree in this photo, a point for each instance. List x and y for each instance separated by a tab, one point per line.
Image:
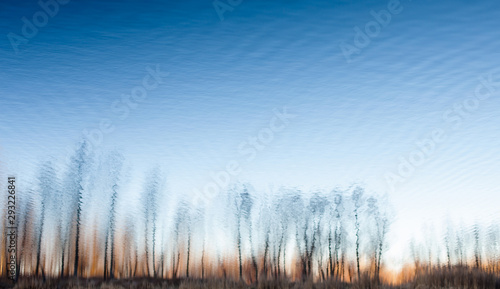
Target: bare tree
357	198
150	209
493	247
381	221
75	186
243	205
24	223
338	234
448	239
301	221
113	168
316	209
181	227
477	246
282	217
47	185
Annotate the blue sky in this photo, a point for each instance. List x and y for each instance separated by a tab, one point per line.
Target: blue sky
354	120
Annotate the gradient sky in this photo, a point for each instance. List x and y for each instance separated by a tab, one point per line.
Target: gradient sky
354	120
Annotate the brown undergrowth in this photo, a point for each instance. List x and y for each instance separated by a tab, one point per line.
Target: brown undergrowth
437	278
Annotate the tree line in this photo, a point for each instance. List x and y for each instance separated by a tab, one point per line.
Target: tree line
76	221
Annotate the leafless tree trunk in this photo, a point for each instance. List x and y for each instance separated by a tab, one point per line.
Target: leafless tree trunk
188	252
112	225
203	261
76	176
150	217
356	197
477	249
106	256
47	180
239	250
